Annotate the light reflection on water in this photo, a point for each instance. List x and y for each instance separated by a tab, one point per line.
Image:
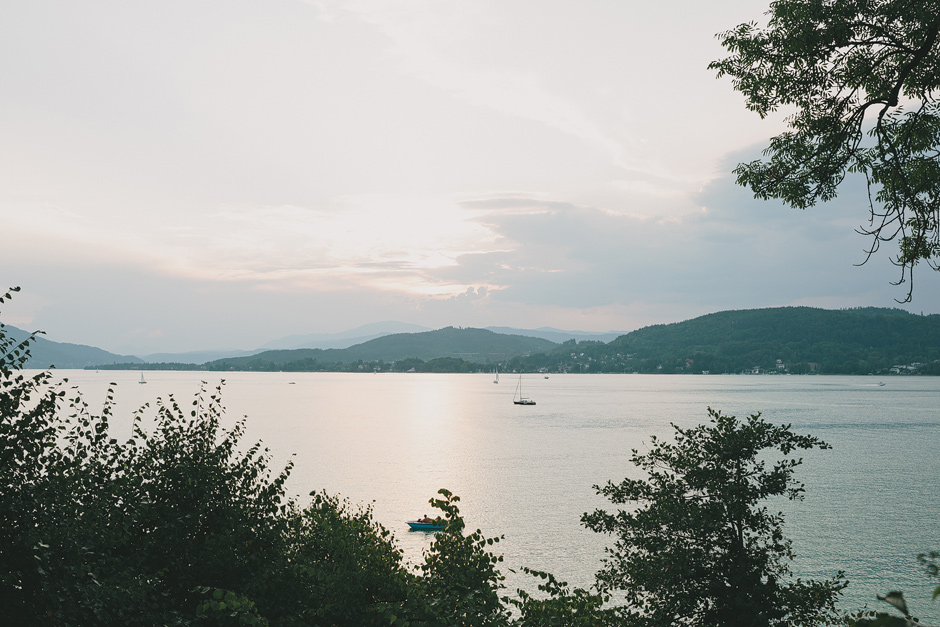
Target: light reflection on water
526	472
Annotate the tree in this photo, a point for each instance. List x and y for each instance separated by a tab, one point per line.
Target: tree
184	524
460	581
342	568
560	606
179	525
697	545
848	68
30	433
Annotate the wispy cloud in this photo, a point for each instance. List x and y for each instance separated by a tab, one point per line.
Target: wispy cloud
440	43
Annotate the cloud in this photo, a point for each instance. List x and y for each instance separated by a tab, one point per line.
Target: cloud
732	252
431	42
219	174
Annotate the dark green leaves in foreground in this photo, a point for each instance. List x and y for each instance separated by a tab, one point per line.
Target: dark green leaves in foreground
696	544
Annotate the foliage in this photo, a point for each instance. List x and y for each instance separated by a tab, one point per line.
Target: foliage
697	545
127	533
341	568
29	432
897	601
181	524
223	604
460	581
929	560
849	68
562	607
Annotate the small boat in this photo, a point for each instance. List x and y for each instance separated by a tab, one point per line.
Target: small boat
518	398
142	380
496	380
417	525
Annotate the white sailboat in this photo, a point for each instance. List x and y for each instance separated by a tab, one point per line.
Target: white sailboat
142	380
496	380
518	398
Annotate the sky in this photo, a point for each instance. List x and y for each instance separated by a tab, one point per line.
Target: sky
202	174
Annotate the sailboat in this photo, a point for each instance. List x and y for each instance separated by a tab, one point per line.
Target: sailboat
142	380
518	398
496	380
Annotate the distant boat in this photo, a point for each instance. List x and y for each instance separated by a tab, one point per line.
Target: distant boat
142	380
518	398
420	525
496	380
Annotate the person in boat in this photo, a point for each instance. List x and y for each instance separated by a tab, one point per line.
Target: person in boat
425	520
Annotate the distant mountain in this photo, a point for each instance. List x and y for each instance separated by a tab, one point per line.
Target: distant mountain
472	345
804	339
196	357
344	339
558	335
46	353
801	332
780	340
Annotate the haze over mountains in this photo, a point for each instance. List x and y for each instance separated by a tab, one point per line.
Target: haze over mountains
344	339
453	349
45	353
782	340
66	355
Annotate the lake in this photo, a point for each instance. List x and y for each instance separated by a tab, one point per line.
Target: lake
526	472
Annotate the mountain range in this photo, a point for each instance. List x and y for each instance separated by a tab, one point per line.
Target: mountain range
45	353
66	355
469	346
779	340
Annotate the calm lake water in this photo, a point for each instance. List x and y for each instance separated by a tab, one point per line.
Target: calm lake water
527	472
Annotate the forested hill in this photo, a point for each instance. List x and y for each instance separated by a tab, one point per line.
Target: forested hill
46	353
795	329
455	349
804	339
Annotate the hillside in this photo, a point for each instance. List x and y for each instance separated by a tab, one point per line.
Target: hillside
558	335
46	353
804	339
471	346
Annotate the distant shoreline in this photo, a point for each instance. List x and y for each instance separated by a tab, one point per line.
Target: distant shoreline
201	368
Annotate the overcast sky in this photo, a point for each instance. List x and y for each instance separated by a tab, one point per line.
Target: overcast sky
200	174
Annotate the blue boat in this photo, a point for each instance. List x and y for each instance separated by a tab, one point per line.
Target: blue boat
417	525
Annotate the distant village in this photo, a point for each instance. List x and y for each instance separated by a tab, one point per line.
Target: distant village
781	368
